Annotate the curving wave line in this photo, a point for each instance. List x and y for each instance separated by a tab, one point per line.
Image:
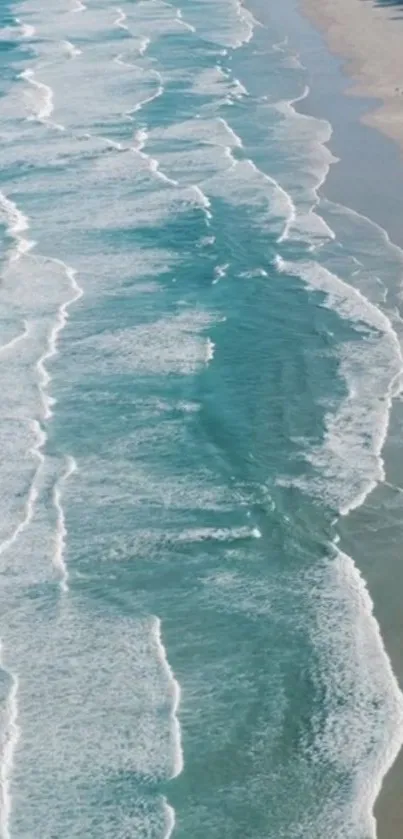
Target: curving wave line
71	50
182	22
61	531
16	224
61	320
179	16
17	339
10	738
170	820
178	761
45	106
36	452
120	20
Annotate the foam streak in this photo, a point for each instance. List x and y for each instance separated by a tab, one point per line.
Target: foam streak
61	320
10	739
178	761
17	223
16	340
44	107
61	532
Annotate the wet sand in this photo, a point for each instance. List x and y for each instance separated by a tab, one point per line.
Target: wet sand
369	35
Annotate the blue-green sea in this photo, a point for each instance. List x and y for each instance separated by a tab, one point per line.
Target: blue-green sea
198	356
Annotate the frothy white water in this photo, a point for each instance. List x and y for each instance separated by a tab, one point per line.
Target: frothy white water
145	43
120	60
61	320
27	31
348	465
178	761
37	453
42	105
216	534
169	820
220	271
61	531
179	16
158	92
78	6
120	20
70	50
363	727
227	23
14	341
183	22
281	203
16	224
203	201
140	140
306	139
10	736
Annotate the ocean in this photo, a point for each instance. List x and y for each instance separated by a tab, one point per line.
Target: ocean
198	358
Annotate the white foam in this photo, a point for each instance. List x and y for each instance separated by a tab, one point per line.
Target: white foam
119	60
51	351
215	534
178	761
140	139
220	271
61	532
360	724
27	30
78	6
158	92
305	139
121	20
348	464
16	223
169	820
183	22
70	50
203	201
228	23
145	43
37	453
16	340
43	105
10	737
281	202
173	344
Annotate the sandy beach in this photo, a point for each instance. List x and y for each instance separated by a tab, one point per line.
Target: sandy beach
369	37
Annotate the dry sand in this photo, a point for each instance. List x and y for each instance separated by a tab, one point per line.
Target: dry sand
369	35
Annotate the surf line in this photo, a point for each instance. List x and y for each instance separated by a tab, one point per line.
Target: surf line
178	762
45	109
61	531
10	739
120	20
61	320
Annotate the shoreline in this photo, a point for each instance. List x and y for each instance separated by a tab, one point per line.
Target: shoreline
358	32
367	140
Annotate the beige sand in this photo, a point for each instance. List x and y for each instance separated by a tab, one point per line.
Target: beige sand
370	37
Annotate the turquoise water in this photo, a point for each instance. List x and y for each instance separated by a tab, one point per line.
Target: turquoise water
198	358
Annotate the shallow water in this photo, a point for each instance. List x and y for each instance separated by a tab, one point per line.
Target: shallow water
199	357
